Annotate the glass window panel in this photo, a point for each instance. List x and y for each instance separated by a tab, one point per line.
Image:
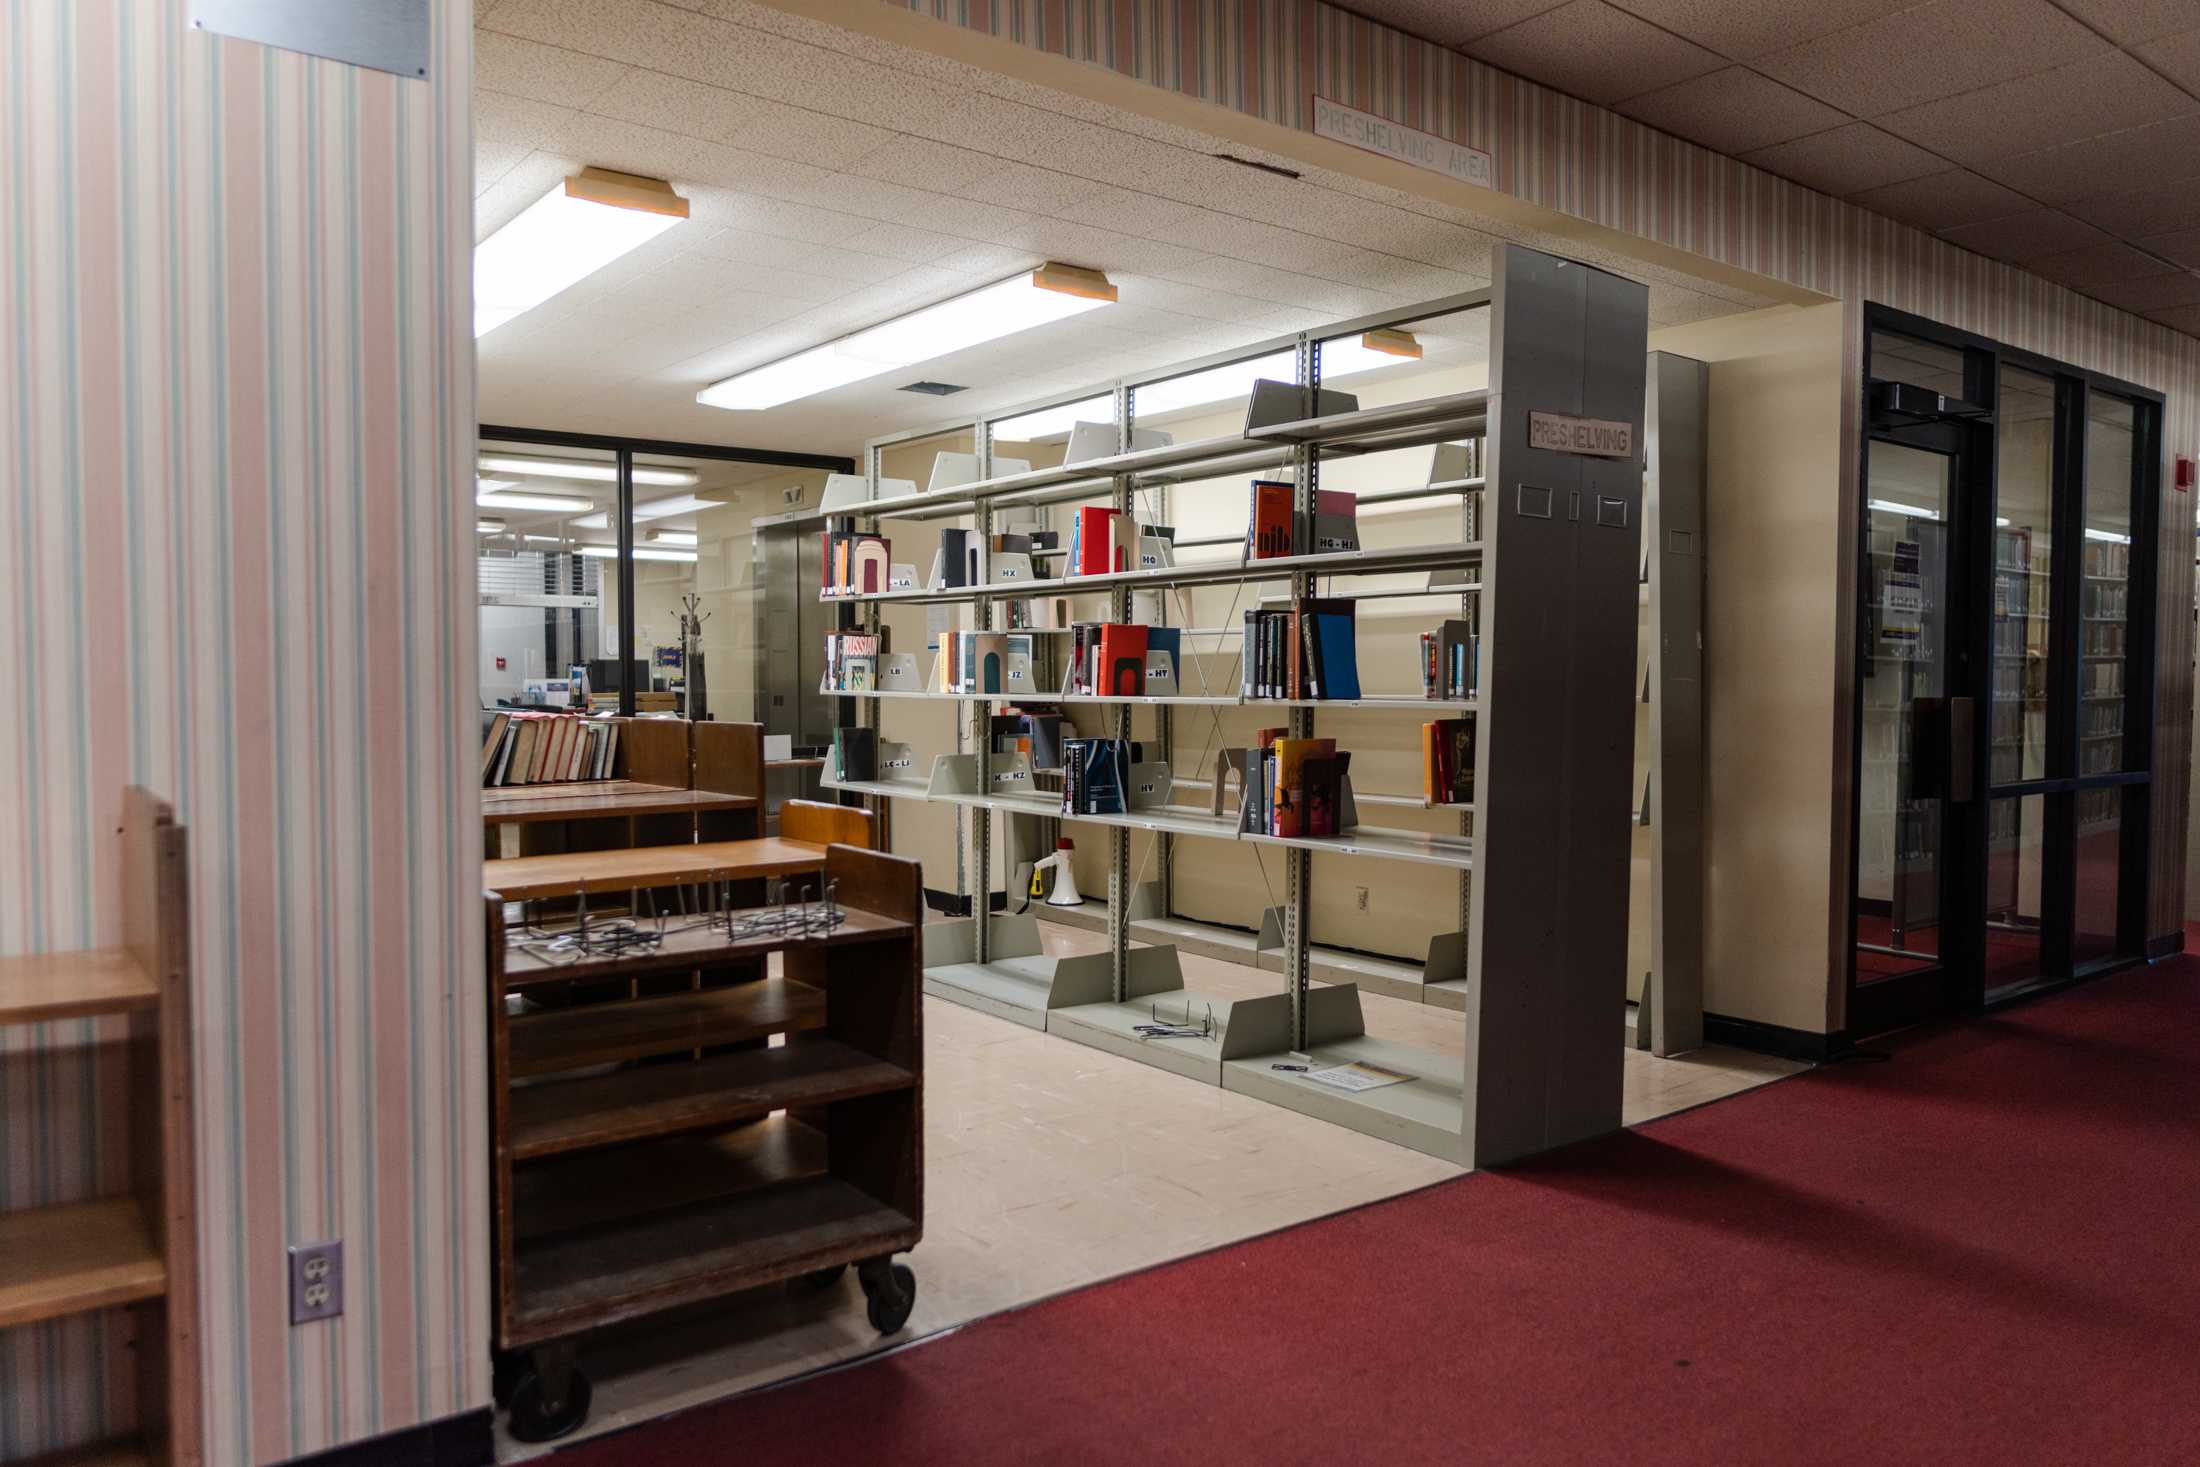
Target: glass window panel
1909	498
2100	856
2106	589
545	606
1919	363
2015	848
2023	553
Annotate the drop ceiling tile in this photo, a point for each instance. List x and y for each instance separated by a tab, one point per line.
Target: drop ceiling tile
719	115
2161	209
1935	50
2182	247
769	251
2179	318
507	128
993	261
2104	93
2025	236
2153	292
2096	265
2110	163
545	73
875	198
1449	22
1847	160
935	167
1755	27
1942	200
779	217
902	242
1588	49
2177	55
2127	21
1733	110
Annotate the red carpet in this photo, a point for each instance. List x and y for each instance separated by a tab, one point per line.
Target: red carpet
1984	1250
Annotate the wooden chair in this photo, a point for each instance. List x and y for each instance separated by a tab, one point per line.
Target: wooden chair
827	825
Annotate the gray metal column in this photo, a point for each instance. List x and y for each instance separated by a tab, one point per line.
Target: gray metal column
1117	717
981	729
1676	414
1298	863
1561	527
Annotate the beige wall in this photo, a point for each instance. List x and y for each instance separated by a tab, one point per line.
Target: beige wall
1775	555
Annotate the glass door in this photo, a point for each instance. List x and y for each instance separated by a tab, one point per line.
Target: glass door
1905	666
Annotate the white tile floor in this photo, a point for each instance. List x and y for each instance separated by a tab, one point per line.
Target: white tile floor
1050	1166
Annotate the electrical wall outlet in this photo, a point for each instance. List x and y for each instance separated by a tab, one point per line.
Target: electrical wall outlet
1363	896
316	1282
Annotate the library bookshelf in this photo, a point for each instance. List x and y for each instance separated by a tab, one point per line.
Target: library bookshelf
1546	567
133	1251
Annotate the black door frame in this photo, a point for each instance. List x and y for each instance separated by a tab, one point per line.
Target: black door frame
1957	984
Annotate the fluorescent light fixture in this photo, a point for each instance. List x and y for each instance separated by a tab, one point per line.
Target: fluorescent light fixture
655	509
672	537
1050	293
492	486
1914	511
589	469
566	236
549	503
544	539
641	552
488	527
2109	535
2001	522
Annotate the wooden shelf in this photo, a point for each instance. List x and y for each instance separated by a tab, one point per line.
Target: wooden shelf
590	1188
598	800
631	1266
685	949
526	878
663	1100
571	1039
59	1261
76	985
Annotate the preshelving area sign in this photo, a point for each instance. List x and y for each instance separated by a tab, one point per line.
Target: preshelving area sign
1354	128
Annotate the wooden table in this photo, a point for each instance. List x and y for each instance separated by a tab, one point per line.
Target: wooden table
594	798
530	878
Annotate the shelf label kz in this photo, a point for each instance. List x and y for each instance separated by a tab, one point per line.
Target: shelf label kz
1596	437
1408	145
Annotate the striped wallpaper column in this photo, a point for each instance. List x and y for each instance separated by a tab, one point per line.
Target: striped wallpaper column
236	425
1266	58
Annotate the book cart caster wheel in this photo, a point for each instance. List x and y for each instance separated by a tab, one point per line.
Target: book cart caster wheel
536	1417
892	1293
823	1279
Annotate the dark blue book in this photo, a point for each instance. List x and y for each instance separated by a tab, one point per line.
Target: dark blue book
1335	649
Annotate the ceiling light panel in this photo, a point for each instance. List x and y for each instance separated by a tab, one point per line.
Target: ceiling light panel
547	503
1002	309
591	470
641	552
564	237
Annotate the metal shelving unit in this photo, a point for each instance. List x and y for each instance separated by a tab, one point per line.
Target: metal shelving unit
1538	964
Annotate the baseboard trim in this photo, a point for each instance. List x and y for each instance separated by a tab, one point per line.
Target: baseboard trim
1772	1039
465	1440
2168	946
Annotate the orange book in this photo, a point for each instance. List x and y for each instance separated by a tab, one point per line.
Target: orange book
1269	532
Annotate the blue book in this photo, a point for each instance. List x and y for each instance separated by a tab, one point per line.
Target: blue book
1107	777
1335	649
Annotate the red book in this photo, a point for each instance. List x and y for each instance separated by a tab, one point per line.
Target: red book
1092	539
1270	531
1122	661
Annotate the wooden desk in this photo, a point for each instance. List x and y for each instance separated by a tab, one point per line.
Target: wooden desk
530	878
599	798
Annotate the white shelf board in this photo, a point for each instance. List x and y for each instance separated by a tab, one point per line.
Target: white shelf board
1467	705
1174	819
1334	562
1199	700
1008	988
893	789
1402	425
1393	845
1426	1113
1111	1027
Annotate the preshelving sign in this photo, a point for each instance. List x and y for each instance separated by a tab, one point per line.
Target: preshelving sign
1410	145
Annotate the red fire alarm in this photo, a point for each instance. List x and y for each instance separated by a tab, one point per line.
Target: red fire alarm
500	664
2184	473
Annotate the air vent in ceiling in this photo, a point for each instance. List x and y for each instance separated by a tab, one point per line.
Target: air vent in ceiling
934	389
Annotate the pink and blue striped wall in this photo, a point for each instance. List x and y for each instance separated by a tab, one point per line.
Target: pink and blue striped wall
236	434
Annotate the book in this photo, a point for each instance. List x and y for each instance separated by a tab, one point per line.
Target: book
954	557
1332	648
1458	658
1122	661
1322	778
1287	805
1447	761
492	739
1268	526
1091	540
855	754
